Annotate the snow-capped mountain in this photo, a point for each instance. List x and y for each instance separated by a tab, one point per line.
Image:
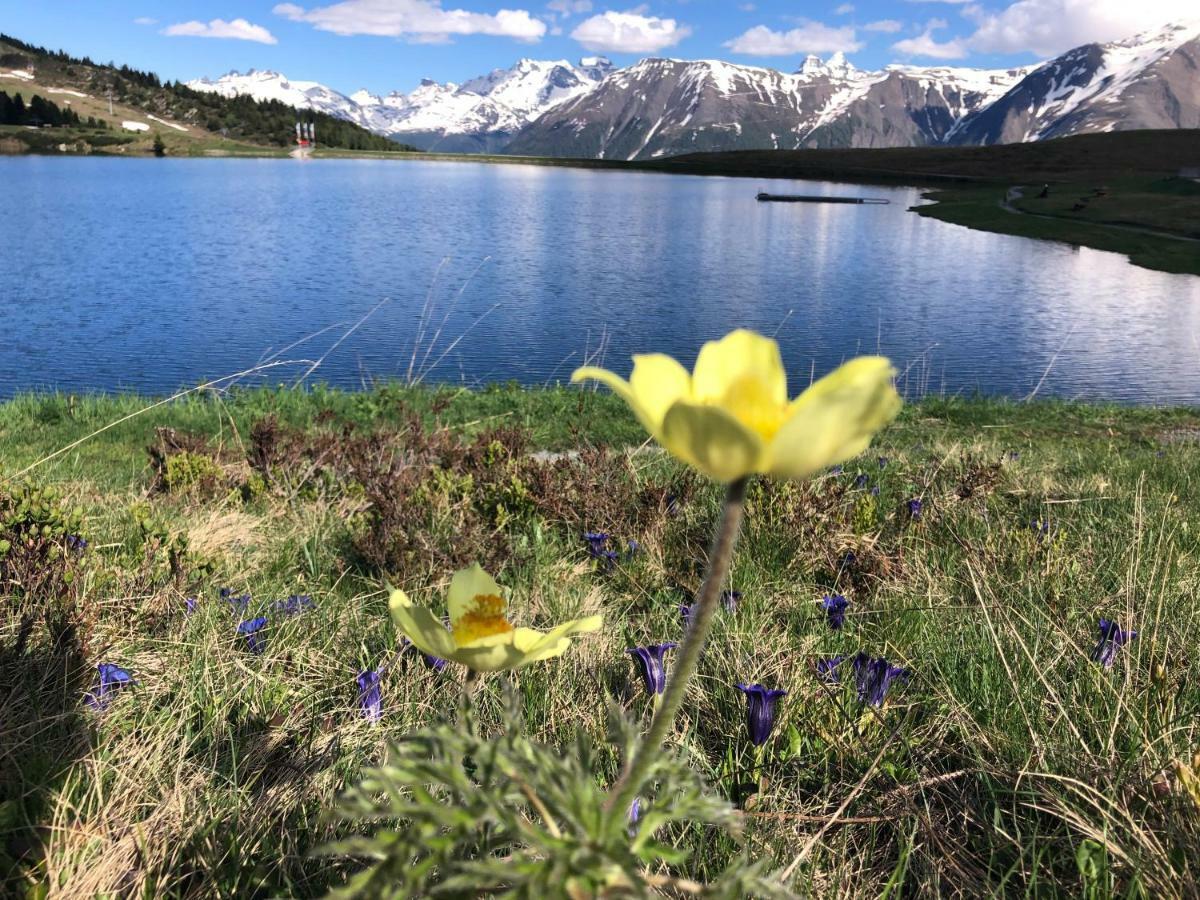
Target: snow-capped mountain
480	115
1149	81
663	107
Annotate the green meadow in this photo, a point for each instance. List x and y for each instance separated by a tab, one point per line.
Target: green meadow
1009	763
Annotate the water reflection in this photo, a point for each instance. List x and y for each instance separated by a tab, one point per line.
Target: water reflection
151	275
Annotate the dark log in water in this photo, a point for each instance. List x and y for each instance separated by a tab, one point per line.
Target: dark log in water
812	198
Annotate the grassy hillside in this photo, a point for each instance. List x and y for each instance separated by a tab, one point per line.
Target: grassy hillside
189	121
1009	764
1083	158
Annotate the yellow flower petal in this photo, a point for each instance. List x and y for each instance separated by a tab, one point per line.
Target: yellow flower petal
465	586
835	419
712	440
741	356
420	626
656	382
622	389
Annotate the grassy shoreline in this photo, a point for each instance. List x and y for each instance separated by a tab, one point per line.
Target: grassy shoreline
1009	763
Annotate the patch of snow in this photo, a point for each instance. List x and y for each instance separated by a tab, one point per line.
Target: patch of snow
165	122
69	93
19	74
135	126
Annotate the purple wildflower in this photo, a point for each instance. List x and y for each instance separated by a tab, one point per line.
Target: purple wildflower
883	461
635	813
609	558
256	642
685	613
836	470
651	666
436	663
760	711
634	548
914	508
861	481
875	491
293	605
76	543
370	700
112	679
730	600
237	602
597	542
827	668
1112	639
874	676
835	610
190	605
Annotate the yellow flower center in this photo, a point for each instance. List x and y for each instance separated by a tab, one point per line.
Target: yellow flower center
750	402
484	619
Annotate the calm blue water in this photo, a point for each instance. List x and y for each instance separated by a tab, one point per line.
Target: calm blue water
154	274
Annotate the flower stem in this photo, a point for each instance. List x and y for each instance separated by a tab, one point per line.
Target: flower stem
638	766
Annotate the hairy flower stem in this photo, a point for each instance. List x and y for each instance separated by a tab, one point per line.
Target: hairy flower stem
648	749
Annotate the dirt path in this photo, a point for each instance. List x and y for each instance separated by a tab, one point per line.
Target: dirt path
1016	193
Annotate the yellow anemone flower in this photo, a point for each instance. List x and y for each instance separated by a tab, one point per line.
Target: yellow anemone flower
480	635
731	417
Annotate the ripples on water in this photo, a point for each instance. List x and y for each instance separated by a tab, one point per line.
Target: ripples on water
149	275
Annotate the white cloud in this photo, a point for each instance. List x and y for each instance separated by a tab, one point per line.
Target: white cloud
808	37
844	10
925	44
884	26
569	7
629	32
423	21
237	30
1049	27
145	20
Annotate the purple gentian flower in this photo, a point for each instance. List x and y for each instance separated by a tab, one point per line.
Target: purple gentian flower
760	711
827	668
836	470
1014	455
651	666
1042	527
861	481
875	491
835	609
635	813
634	548
685	613
1112	639
431	662
112	679
730	600
370	700
914	508
293	605
849	559
597	542
190	605
874	676
76	543
238	602
883	461
610	558
252	628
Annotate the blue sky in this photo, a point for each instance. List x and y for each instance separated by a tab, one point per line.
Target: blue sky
387	45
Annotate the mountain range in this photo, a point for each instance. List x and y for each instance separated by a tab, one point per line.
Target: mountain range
664	107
